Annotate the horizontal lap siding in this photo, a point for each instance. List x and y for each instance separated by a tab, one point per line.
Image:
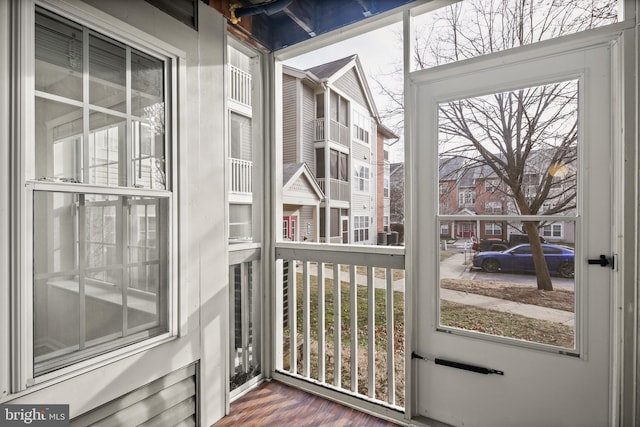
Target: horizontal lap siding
308	132
350	85
170	400
289	122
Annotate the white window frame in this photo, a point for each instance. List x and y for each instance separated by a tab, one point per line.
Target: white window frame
361	230
361	124
493	229
444	229
493	207
466	197
491	185
361	177
548	230
22	360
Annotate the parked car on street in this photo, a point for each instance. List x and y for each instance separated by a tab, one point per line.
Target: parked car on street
497	244
560	260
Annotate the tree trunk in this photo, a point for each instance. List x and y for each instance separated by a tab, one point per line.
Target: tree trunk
542	270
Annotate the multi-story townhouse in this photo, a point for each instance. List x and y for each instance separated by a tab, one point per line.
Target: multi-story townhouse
476	190
330	124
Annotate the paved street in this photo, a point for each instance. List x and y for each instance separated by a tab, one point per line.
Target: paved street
454	267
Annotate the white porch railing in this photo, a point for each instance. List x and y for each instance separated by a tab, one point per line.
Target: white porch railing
344	311
240	176
339	190
338	132
319	134
240	86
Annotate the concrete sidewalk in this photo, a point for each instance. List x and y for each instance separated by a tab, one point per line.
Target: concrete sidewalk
454	267
532	311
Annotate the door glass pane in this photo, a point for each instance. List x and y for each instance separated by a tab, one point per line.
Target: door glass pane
506	155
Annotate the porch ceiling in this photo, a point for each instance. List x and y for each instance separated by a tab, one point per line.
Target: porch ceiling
293	21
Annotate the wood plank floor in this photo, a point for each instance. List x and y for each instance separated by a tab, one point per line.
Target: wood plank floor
276	404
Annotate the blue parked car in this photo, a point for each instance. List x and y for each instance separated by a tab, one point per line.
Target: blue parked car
519	260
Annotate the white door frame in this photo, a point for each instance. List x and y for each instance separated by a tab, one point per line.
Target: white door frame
418	172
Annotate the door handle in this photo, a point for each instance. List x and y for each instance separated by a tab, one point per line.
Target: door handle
603	261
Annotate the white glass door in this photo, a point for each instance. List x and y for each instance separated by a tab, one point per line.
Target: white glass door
513	323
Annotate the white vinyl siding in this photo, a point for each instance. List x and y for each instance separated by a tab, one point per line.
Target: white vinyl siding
289	119
170	400
308	129
349	83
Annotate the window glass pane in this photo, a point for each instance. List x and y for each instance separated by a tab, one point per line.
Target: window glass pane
58	140
240	226
471	28
149	156
59	60
147	85
107	140
107	74
320	163
100	270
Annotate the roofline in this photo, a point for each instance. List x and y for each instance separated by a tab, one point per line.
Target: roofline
355	62
301	74
304	170
385	130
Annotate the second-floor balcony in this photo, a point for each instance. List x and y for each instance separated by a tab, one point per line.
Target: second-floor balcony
240	90
338	190
240	176
337	132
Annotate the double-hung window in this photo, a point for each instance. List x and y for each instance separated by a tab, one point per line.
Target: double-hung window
99	196
361	178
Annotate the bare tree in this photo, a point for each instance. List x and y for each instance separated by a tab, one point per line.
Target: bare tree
527	138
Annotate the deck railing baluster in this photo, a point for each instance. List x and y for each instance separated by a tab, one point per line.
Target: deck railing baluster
337	327
371	308
353	294
306	322
321	323
293	312
391	351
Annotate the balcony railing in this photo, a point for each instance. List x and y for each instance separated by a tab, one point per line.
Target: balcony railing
240	176
338	132
240	86
339	190
344	311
